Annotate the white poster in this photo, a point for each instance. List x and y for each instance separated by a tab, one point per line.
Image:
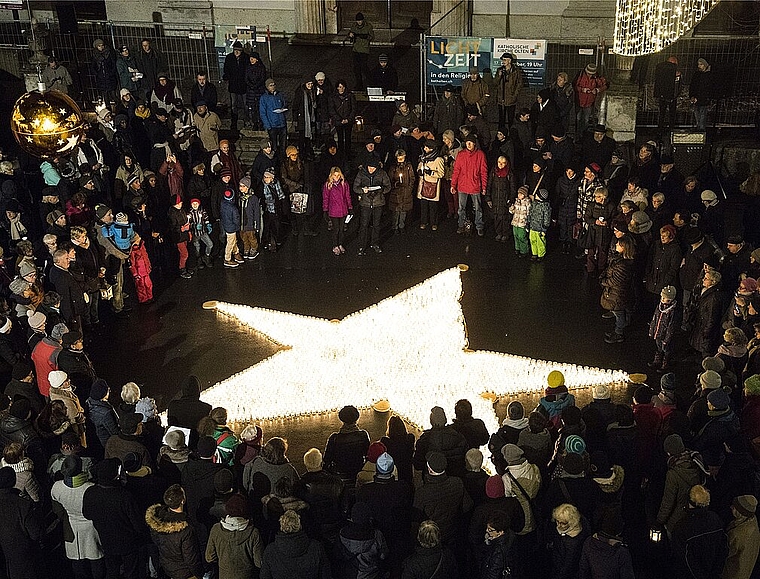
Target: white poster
529	54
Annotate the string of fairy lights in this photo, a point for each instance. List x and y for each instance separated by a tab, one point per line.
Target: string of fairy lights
648	26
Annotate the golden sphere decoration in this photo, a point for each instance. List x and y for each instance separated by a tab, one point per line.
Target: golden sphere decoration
48	124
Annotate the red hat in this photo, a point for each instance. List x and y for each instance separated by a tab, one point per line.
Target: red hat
177	200
595	168
195	200
494	487
375	450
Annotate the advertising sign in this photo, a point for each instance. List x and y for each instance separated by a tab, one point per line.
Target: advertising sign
449	58
530	55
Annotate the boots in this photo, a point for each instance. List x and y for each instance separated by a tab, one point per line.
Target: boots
183	273
207	260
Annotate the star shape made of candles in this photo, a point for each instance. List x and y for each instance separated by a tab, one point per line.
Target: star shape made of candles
410	349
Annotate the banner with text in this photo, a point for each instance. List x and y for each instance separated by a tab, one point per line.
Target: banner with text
530	56
449	58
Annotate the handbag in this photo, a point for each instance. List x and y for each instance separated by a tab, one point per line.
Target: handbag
429	190
584	238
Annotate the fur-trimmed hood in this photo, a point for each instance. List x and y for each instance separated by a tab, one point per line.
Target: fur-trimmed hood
162	520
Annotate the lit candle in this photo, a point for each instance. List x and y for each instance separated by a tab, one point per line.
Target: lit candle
401	177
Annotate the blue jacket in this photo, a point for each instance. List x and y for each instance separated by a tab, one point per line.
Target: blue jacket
104	418
230	215
267	105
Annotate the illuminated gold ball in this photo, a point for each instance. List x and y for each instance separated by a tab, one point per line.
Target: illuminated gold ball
47	124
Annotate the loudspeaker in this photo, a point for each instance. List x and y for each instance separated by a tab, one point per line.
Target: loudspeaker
690	151
67	18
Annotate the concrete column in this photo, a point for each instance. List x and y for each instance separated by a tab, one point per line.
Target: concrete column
331	16
621	101
455	23
310	16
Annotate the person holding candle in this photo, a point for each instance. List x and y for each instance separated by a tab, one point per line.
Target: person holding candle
431	170
400	198
336	205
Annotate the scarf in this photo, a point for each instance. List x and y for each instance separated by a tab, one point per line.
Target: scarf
165	93
519	424
144	114
732	350
234	523
77	480
502	172
308	113
18	231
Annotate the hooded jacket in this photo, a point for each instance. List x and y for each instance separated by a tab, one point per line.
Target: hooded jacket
605	558
176	542
236	545
295	555
186	410
363	179
470	172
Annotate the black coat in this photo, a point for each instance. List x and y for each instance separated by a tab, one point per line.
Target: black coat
209	95
72	299
662	268
390	502
428	562
605	559
186	410
700	544
345	452
178	549
20	531
446	440
234	72
401	450
702	87
116	517
706	333
665	84
295	555
474	430
198	483
694	261
80	370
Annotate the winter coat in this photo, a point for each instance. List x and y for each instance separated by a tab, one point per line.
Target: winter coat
208	131
304	107
208	95
545	117
268	103
508	85
126	67
608	507
81	540
235	68
470	173
448	114
603	558
443	499
198	483
706	334
104	69
255	76
237	550
345	452
540	216
702	87
72	298
743	548
179	225
120	445
427	563
402	188
26	483
693	266
520	211
295	555
711	438
363	35
598	235
336	199
683	473
177	545
103	416
273	472
359	555
663	265
500	191
475	92
186	410
584	85
139	262
616	281
116	517
342	107
19	535
700	544
365	179
662	327
230	217
432	171
446	440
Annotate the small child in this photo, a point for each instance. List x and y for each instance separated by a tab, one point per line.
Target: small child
538	223
663	326
200	225
400	199
139	265
520	211
120	231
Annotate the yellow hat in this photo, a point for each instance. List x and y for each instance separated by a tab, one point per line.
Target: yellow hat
555	379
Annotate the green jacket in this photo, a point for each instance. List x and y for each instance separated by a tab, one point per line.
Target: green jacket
363	35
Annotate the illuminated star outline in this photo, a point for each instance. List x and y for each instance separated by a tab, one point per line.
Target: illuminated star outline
410	349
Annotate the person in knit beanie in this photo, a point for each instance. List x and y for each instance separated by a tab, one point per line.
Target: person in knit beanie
708	381
556	397
743	539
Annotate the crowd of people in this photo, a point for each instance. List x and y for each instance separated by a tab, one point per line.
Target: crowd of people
154	186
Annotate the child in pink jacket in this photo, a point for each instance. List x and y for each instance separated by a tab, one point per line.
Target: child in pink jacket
139	265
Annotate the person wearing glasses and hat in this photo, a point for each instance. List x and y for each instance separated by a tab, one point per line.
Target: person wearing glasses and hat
126	66
104	69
